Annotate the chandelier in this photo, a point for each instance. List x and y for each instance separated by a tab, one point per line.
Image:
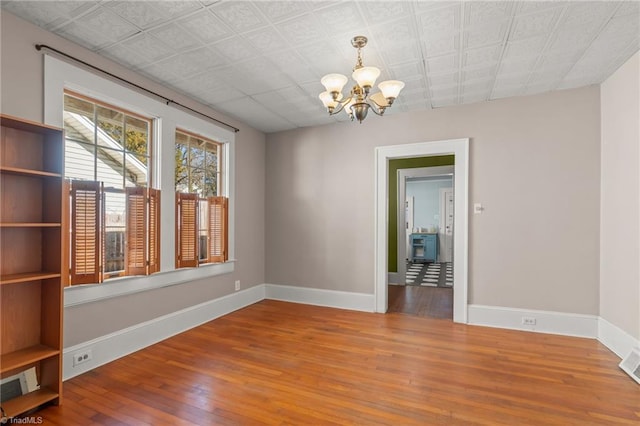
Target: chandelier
359	102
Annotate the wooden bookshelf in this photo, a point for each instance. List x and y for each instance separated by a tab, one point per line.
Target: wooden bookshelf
31	400
27	356
31	247
28	276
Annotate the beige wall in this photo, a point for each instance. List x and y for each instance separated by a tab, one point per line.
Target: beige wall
534	165
620	214
22	96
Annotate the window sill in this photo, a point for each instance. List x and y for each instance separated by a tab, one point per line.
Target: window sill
116	287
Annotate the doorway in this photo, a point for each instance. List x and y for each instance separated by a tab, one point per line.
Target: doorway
423	285
419	212
460	149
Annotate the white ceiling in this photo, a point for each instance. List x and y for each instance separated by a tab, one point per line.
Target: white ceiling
261	61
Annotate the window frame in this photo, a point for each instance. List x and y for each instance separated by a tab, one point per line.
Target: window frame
151	137
105	274
202	215
60	75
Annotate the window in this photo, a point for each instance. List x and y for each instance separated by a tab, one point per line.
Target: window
201	210
114	212
62	78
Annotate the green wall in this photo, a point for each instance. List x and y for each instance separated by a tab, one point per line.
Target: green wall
394	166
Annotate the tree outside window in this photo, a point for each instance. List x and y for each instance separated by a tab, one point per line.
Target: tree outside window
197	165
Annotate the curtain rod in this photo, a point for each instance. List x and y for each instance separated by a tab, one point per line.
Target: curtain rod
137	86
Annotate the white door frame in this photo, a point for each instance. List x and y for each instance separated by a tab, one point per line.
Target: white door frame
403	175
460	149
443	225
409	222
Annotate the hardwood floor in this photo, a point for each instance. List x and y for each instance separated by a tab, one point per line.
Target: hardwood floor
434	302
291	364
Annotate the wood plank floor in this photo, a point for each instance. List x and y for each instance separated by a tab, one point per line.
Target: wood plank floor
434	302
290	364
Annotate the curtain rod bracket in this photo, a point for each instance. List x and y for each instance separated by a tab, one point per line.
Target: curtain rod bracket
168	101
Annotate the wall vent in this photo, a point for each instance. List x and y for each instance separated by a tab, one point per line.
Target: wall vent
631	364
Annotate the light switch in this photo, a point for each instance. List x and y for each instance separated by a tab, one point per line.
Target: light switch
477	208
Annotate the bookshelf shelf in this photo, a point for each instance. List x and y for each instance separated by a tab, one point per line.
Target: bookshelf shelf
31	246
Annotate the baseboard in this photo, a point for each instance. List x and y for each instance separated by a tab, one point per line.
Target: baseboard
320	297
617	340
577	325
115	345
394	277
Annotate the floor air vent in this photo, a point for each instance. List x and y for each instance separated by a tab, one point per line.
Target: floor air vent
631	364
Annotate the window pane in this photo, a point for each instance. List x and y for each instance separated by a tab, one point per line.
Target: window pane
78	106
78	160
135	170
182	138
78	119
212	160
197	181
110	168
114	204
137	137
112	125
182	180
196	157
211	174
181	172
210	186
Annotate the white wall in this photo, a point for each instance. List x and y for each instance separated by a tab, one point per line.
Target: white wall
426	207
22	81
534	164
620	208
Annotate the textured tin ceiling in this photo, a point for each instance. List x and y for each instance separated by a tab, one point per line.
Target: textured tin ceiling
261	61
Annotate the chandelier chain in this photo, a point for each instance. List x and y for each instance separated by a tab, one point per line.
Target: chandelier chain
359	61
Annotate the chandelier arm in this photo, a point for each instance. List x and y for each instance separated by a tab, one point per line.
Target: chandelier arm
377	109
337	109
370	99
342	103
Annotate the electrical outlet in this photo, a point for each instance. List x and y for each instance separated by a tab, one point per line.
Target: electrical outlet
82	357
237	285
528	321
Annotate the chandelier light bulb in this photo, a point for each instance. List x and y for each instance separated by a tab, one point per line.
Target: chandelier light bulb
391	88
334	83
366	76
328	101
